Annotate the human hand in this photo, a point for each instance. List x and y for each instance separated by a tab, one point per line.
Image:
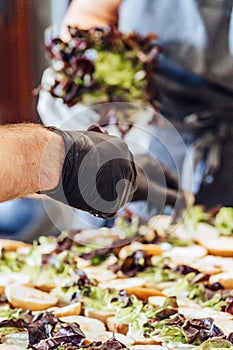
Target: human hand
98	176
158	185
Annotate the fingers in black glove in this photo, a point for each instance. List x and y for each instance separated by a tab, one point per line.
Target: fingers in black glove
98	176
158	185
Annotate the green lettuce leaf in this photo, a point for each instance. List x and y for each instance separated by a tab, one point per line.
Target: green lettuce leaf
224	221
194	215
214	344
97	299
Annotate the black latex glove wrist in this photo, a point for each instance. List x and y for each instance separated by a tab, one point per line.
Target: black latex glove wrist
98	175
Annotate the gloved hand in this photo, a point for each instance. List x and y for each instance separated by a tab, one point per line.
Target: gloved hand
99	174
158	185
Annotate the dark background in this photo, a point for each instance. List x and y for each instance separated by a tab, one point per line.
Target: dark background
22	25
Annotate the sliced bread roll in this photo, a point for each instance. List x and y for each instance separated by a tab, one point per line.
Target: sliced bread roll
160	223
146	341
14	278
143	293
214	264
117	327
12	245
45	287
86	324
151	249
225	278
29	298
221	246
18	340
97	314
186	255
105	336
68	310
147	347
11	347
156	300
102	237
99	273
123	283
206	232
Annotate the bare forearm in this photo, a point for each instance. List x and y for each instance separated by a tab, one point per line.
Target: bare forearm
28	161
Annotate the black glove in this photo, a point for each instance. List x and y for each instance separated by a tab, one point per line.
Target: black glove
158	185
98	175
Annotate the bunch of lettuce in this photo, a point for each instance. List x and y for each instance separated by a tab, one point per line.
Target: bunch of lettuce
102	65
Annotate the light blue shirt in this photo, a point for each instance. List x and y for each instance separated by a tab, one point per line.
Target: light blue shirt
196	35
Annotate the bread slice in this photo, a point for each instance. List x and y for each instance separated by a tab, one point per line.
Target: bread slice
98	315
101	237
104	336
29	298
160	286
117	327
86	324
186	255
214	264
13	278
221	246
160	223
123	283
12	245
45	287
151	249
11	347
68	310
205	231
18	340
146	341
156	300
147	347
143	293
225	278
99	273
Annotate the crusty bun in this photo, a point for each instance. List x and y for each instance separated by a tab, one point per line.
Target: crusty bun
99	273
160	223
156	300
186	255
205	231
147	347
29	298
97	314
86	324
45	287
225	278
68	310
222	246
151	249
117	327
143	293
13	245
146	341
13	278
10	347
213	264
123	283
104	336
19	340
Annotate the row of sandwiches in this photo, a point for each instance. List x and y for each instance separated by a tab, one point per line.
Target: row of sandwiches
153	286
